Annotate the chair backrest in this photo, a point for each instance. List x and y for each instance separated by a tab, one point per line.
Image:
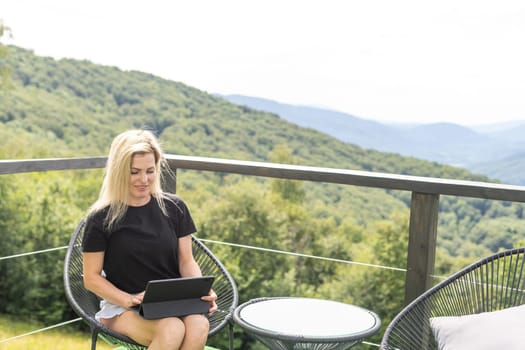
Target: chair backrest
86	304
493	283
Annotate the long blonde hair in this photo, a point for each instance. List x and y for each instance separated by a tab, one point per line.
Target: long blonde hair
114	192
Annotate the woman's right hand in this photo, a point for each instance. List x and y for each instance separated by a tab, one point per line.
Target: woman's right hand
134	300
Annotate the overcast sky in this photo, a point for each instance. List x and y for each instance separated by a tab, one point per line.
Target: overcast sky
460	61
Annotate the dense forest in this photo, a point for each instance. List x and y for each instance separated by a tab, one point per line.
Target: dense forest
69	108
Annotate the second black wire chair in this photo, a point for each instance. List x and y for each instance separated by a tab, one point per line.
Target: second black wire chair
493	283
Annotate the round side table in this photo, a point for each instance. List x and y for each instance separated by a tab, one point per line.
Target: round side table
306	323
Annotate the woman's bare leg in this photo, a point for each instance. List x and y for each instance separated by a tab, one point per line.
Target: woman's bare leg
166	333
197	328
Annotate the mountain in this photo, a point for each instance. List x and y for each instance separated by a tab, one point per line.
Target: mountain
512	136
510	168
497	127
70	108
343	126
78	107
478	148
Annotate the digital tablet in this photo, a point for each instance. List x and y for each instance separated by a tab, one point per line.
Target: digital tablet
176	297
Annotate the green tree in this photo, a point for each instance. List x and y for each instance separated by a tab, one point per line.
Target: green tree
7	243
4	68
245	215
45	218
378	289
290	190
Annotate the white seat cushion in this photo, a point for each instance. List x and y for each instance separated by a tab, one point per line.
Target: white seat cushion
500	330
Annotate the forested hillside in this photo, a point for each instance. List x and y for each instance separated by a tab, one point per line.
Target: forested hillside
70	108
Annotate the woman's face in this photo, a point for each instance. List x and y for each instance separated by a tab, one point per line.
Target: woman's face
142	176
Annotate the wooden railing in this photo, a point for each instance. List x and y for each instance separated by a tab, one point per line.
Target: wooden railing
423	209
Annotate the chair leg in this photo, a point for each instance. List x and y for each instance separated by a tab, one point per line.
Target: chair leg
230	326
94	337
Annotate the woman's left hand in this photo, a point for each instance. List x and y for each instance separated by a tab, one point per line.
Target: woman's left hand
211	297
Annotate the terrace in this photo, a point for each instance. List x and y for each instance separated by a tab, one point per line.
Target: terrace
424	210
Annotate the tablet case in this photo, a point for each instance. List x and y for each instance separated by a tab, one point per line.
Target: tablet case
176	297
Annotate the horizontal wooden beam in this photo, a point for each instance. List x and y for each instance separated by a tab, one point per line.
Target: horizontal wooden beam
33	165
462	188
452	187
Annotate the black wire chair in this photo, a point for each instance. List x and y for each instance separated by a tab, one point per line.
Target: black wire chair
86	304
493	283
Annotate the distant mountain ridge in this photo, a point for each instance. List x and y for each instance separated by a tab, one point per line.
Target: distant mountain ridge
343	126
484	149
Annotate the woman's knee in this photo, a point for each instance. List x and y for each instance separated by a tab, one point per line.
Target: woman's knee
171	324
169	333
197	326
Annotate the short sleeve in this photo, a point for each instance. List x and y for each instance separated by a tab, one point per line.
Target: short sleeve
180	216
95	238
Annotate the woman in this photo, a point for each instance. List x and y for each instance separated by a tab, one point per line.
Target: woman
134	233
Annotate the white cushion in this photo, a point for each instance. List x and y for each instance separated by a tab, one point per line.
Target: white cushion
500	330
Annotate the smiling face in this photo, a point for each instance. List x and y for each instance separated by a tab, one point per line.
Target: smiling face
142	176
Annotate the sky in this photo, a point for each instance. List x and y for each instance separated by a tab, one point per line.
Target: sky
460	61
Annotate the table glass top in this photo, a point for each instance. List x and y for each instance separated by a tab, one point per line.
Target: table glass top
306	316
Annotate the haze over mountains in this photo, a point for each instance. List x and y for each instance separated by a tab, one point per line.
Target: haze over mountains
496	150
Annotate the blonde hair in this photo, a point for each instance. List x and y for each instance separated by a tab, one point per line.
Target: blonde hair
114	192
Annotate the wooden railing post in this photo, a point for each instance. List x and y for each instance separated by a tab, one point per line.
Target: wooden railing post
421	244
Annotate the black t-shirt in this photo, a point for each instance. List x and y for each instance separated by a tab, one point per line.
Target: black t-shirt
143	245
